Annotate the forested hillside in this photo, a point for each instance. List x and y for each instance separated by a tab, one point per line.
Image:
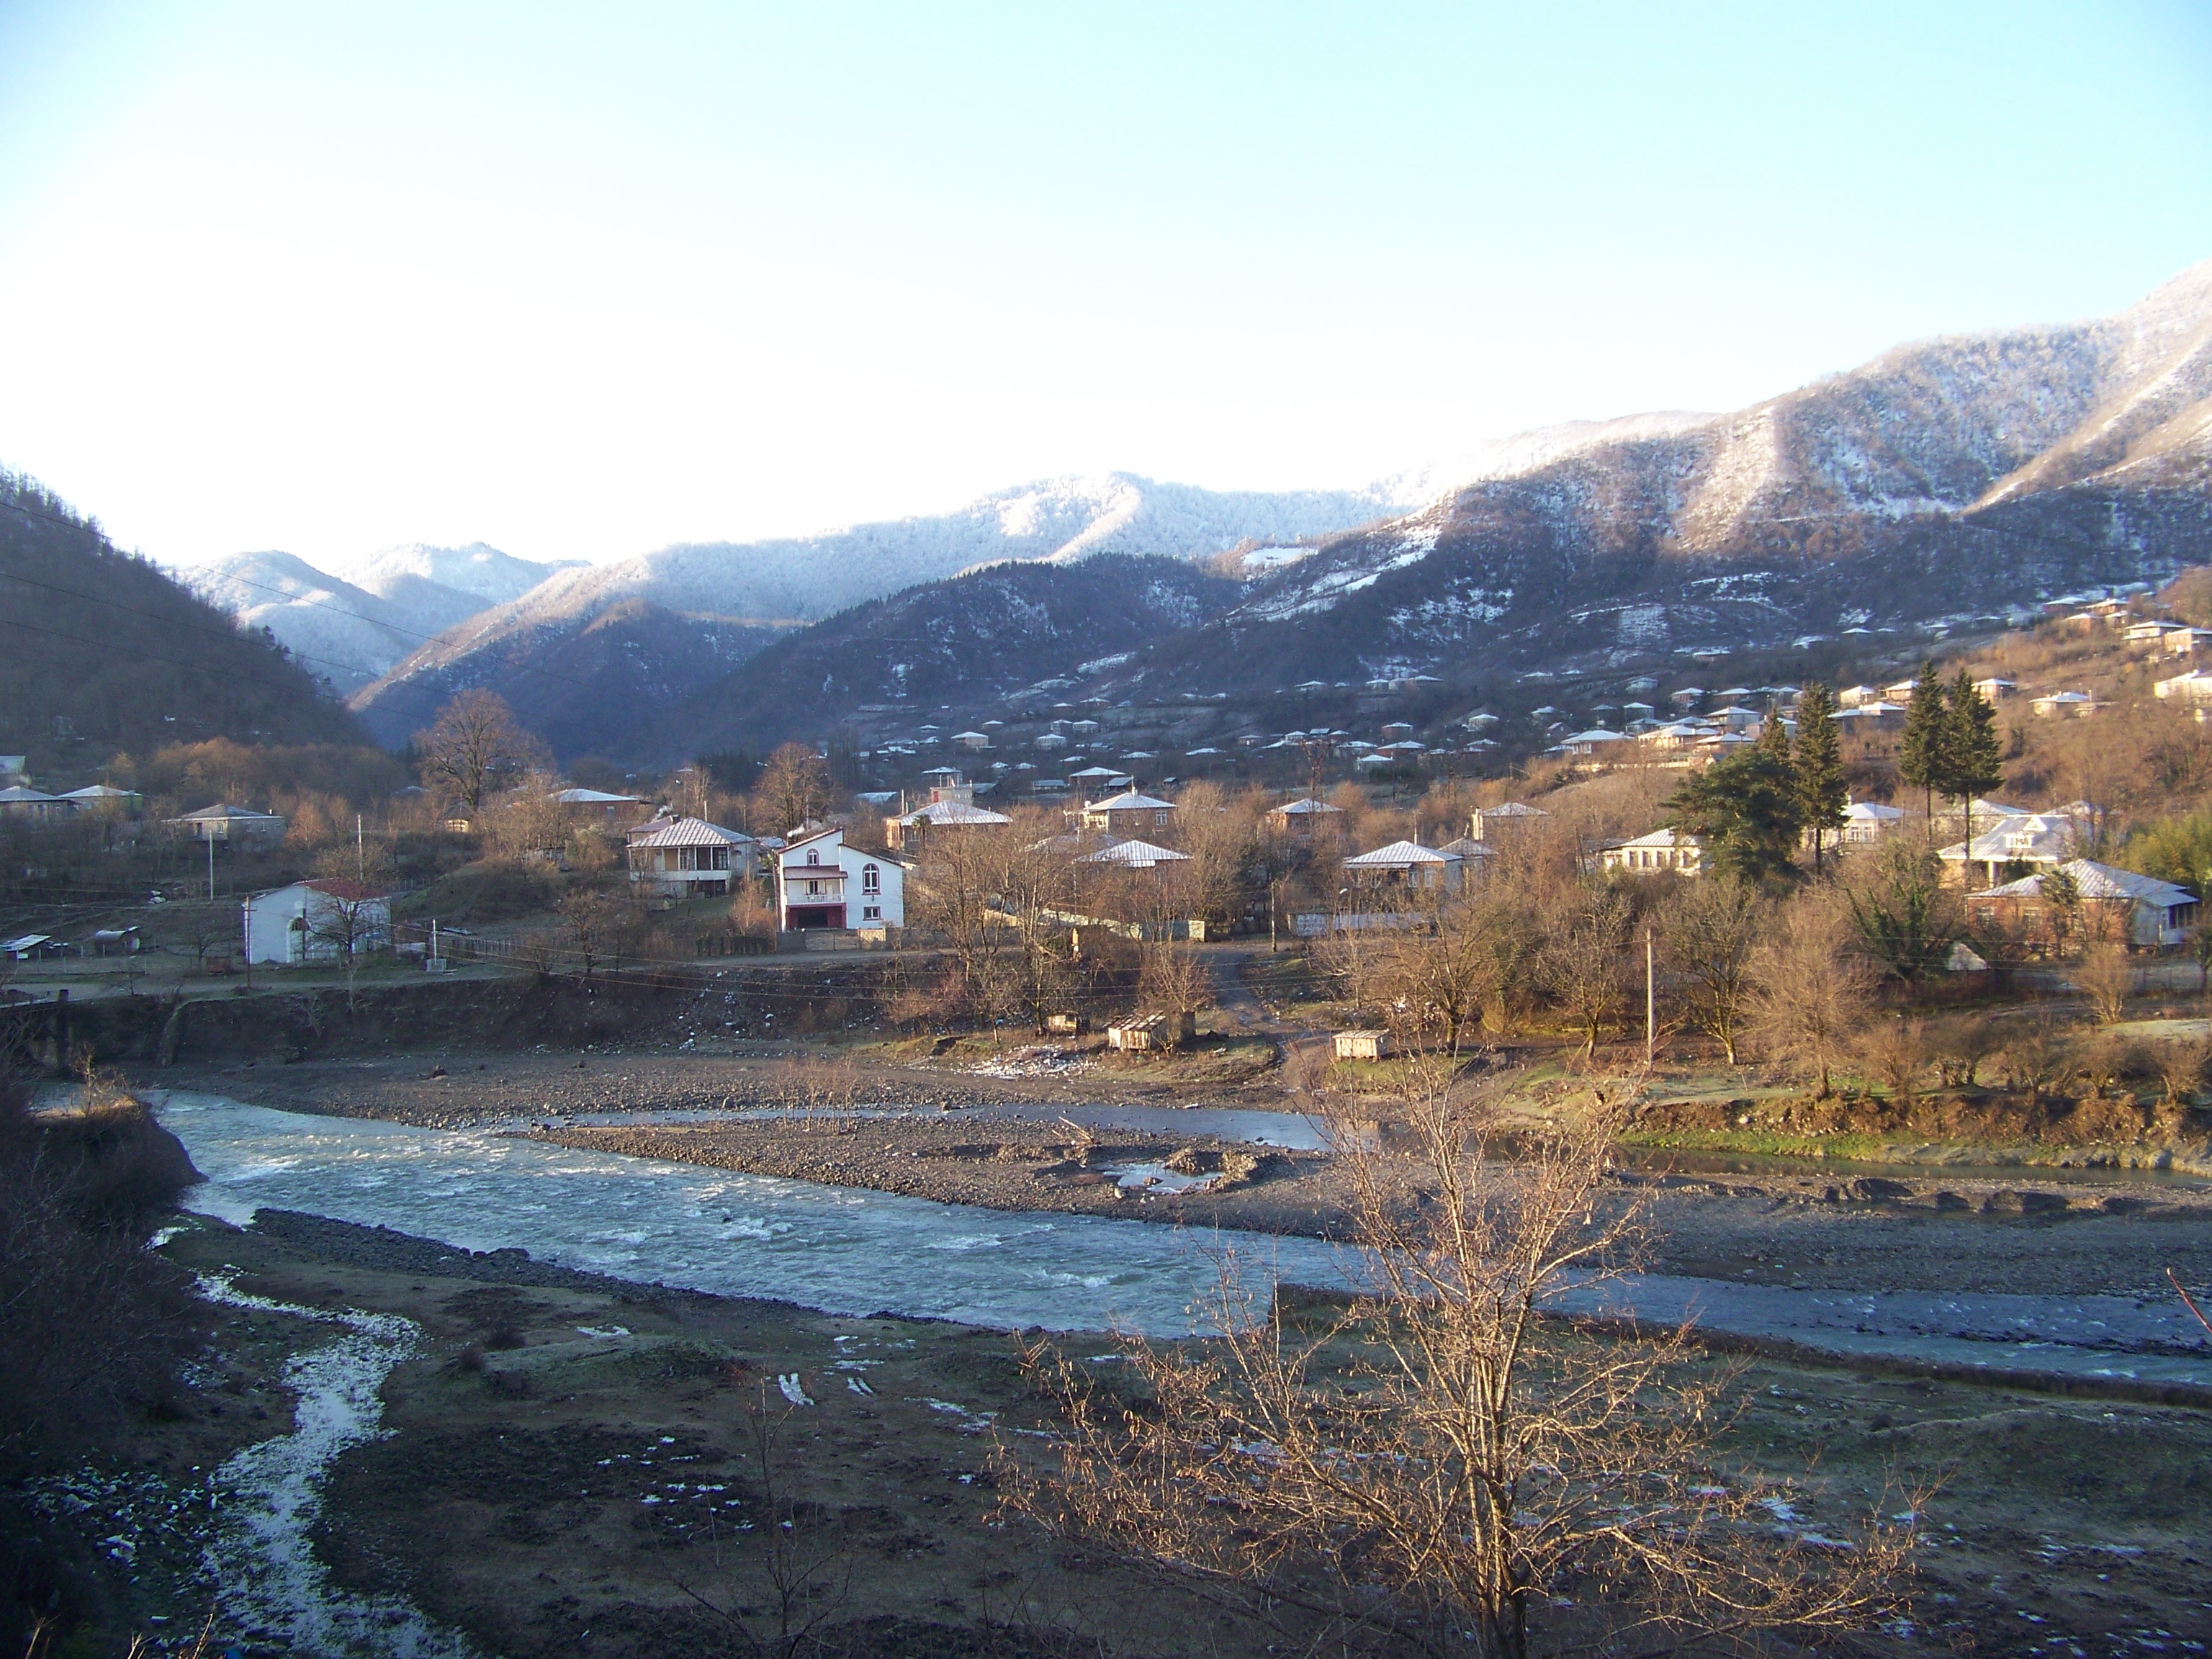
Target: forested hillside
103	653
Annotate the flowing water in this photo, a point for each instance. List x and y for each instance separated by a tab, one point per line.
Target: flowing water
854	1251
273	1587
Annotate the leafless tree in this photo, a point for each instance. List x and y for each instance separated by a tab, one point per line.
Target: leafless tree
2107	976
1811	988
1436	1468
347	916
1896	1051
474	749
1585	962
794	785
1712	931
1172	979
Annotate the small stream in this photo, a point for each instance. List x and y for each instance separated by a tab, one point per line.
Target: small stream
855	1251
273	1587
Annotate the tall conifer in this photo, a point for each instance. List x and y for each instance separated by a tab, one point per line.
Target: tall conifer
1819	763
1973	758
1920	756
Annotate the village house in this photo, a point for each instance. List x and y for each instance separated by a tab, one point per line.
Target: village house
1128	814
1408	865
1663	850
2193	687
2187	641
2079	705
1301	818
1135	855
239	826
1501	825
908	829
33	806
2014	845
291	927
821	882
600	806
104	797
1995	689
683	858
1867	822
2140	910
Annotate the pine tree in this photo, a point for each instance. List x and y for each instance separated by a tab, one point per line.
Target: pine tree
1920	756
1745	810
1819	764
1972	757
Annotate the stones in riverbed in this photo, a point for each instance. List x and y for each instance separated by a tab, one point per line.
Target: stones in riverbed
2007	1200
1875	1189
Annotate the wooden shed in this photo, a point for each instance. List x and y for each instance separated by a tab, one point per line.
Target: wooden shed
1149	1031
1362	1045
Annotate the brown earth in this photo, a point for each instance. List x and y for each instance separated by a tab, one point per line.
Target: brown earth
511	1498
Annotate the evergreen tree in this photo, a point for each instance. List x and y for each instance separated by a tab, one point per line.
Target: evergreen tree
1920	756
1974	758
1745	809
1819	767
1774	736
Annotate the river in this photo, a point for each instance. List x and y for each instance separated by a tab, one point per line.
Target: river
854	1251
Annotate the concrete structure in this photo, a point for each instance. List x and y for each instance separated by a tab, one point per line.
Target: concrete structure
908	829
1867	822
33	806
2021	842
1128	814
1663	850
1362	1045
681	858
821	882
290	927
2079	705
2193	687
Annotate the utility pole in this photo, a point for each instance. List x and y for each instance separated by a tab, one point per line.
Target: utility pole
211	841
246	909
360	854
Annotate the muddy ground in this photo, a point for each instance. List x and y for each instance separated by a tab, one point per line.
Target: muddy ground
573	1468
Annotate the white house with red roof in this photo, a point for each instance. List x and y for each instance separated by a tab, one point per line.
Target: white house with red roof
820	882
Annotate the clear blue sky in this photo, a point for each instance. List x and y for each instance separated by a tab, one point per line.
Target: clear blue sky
579	281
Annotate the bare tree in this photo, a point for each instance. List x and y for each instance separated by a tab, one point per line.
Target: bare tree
794	785
1585	962
1896	1050
1812	987
1438	1465
475	749
951	897
347	916
2107	977
1712	931
1172	979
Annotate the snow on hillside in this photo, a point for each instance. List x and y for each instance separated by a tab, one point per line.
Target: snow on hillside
491	575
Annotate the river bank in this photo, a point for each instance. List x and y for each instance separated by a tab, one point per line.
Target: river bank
568	1463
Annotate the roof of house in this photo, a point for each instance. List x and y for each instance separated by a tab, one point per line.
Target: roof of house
595	797
1302	808
100	792
16	794
1136	855
1398	855
2100	881
222	812
1663	838
2034	835
1130	801
1465	849
685	832
1868	811
1512	808
953	811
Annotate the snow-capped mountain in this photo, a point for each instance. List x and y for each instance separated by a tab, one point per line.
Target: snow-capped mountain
726	588
352	624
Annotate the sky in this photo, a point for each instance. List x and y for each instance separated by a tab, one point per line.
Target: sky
581	281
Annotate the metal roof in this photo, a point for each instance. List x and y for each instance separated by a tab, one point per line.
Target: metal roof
686	832
1398	853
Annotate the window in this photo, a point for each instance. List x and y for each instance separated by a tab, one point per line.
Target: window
871	879
872	912
814	858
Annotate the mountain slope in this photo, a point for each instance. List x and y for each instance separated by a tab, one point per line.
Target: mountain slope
1956	476
353	627
104	651
711	599
964	642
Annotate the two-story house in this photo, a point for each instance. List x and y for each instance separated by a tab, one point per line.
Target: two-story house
820	882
